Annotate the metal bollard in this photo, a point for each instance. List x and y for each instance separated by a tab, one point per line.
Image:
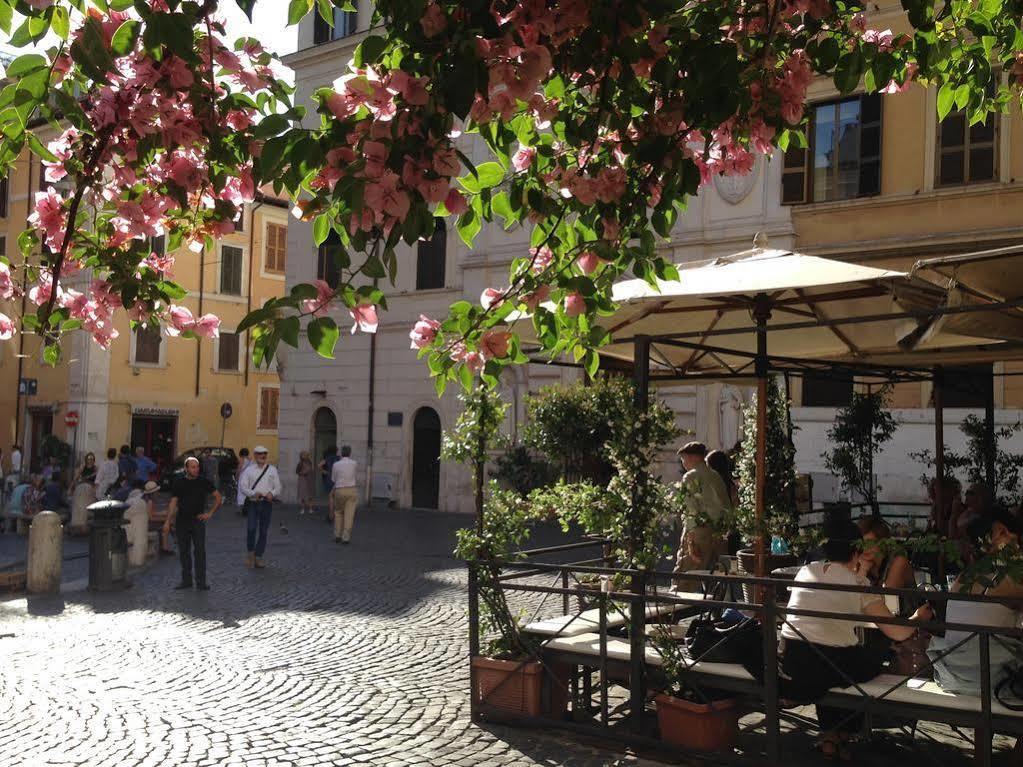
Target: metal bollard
45	553
108	547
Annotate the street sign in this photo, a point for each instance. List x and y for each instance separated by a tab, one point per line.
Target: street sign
28	386
226	410
71	418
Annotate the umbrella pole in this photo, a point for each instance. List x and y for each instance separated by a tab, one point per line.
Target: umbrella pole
761	313
939	465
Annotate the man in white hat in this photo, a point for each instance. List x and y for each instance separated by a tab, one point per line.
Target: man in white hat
187	514
260	484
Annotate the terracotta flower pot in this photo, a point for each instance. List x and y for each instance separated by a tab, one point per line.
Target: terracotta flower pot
698	726
509	685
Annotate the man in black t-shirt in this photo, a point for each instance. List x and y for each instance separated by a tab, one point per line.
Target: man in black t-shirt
187	514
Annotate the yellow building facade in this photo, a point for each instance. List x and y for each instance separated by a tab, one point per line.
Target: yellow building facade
164	394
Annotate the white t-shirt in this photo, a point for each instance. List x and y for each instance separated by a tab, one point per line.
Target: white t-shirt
827	631
15	461
343	473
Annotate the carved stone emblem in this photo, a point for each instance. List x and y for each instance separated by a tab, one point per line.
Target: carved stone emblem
735	189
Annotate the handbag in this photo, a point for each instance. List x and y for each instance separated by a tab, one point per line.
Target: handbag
711	640
911	657
248	501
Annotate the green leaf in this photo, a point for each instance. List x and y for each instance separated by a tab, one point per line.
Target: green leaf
26	64
39	148
254	318
850	69
289	327
124	39
297	9
468	227
369	50
246	6
323	334
374	267
6	16
51	354
490	174
501	205
321	229
60	23
946	99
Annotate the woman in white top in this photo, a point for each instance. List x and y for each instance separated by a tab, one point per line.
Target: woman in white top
821	653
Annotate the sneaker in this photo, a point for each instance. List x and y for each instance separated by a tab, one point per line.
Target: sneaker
202	587
345	539
250	560
260	563
183	585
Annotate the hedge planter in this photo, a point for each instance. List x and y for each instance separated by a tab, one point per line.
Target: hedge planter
706	727
509	685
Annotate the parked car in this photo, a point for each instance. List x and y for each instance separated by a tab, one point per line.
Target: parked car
227	463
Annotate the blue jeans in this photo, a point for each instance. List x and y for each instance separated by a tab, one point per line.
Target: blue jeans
258	519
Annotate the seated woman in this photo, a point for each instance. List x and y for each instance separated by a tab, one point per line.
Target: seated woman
821	653
878	563
959	670
156	518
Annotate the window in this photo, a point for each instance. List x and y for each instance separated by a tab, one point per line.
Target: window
147	346
328	260
4	193
432	255
276	248
967	154
3	244
229	352
239	220
832	390
269	403
158	244
344	25
230	270
967	386
844	158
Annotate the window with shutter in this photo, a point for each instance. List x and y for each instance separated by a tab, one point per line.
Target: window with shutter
431	259
844	157
147	346
967	154
228	352
269	402
276	248
344	25
158	244
4	192
230	270
328	265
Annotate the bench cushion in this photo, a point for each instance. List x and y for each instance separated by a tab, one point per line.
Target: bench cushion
589	620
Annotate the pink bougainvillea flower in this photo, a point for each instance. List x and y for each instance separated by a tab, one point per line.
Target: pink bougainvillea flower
494	344
208	326
180	320
589	262
523	158
319	306
491	298
434	21
537	297
7	285
424	332
575	304
6	327
365	317
455	203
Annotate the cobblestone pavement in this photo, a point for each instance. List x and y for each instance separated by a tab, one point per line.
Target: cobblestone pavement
348	655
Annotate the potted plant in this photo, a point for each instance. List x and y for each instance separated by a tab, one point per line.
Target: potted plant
859	430
781	517
688	716
507	675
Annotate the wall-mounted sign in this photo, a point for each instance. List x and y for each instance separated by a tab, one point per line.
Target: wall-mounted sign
164	411
226	410
28	386
71	418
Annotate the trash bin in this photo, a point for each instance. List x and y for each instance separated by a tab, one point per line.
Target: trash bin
108	546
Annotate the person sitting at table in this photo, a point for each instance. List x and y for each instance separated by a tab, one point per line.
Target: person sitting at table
156	518
34	496
951	505
821	653
878	562
959	670
16	503
53	494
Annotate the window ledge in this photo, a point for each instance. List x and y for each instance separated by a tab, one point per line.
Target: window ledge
226	372
230	298
266	431
148	365
946	192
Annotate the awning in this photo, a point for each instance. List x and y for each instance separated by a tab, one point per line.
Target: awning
820	310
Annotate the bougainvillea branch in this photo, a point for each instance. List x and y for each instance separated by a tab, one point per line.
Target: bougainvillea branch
600	117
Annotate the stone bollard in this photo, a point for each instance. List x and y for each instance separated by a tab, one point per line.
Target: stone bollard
84	495
45	553
137	516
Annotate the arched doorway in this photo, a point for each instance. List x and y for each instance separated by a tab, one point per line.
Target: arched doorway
324	433
426	459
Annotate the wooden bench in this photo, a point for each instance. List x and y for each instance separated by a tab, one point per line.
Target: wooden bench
889	694
589	620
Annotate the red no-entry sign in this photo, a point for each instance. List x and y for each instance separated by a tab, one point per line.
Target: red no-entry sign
71	418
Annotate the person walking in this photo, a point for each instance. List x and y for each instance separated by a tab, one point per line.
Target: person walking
125	463
330	457
260	484
345	495
188	516
210	467
706	513
106	474
243	463
306	483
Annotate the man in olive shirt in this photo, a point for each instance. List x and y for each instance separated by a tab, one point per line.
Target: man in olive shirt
187	514
707	513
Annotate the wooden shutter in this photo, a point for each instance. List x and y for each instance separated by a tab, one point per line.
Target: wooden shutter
230	270
227	351
269	402
276	248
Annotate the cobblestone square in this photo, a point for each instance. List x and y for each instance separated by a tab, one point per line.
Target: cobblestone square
340	655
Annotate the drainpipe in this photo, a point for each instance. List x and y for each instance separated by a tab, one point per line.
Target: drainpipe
248	293
198	342
369	430
21	335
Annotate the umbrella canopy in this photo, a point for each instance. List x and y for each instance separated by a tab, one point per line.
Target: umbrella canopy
820	309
